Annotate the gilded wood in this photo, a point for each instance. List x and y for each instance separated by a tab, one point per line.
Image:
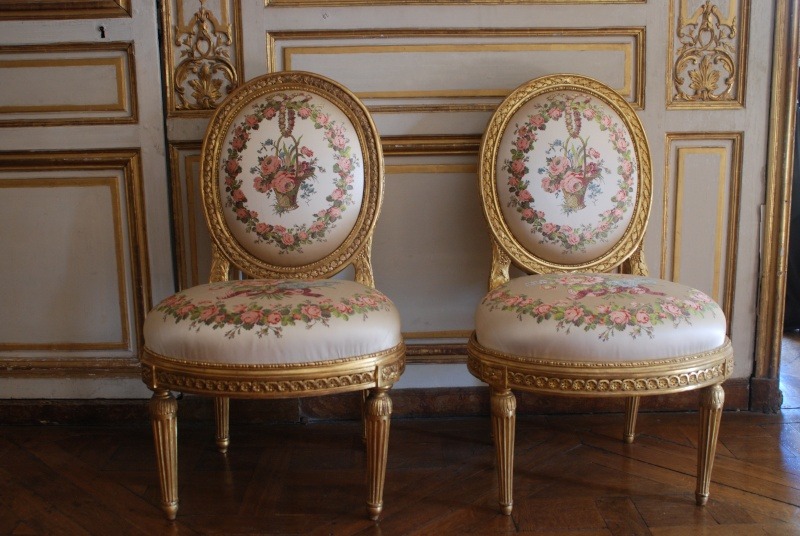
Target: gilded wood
712	399
378	410
163	412
503	407
633	235
631	411
501	263
222	408
635	264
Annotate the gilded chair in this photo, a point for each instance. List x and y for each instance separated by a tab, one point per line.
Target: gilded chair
292	181
566	187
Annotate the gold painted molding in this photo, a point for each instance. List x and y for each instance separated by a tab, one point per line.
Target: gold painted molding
780	156
127	162
73	9
306	3
69	55
708	50
202	54
712	142
634	84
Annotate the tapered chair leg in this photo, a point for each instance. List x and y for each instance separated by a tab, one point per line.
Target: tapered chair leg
163	415
712	399
631	411
222	408
378	412
364	395
504	407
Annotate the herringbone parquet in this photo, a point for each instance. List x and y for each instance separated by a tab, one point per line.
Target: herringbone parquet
573	476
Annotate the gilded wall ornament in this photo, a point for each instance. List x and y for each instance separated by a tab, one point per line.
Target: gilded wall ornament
206	73
708	59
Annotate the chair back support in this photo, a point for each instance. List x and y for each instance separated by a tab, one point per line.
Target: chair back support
292	178
565	176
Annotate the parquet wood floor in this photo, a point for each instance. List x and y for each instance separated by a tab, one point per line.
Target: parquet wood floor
574	476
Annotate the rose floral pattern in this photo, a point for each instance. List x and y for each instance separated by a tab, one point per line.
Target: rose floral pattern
573	171
620	304
287	169
267	307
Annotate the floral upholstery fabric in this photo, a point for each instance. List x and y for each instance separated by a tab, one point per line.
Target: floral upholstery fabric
598	317
291	178
567	177
264	322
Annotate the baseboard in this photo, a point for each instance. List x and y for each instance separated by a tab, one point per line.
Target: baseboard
407	403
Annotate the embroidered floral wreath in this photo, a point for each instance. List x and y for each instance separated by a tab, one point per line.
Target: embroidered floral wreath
571	175
623	308
267	313
286	108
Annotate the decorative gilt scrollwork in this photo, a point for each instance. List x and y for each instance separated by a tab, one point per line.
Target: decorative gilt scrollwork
206	68
706	63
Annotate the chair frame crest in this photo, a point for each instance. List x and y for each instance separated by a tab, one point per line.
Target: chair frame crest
505	246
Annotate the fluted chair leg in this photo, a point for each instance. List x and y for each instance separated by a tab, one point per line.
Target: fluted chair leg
378	412
163	415
712	399
364	395
631	411
504	407
222	408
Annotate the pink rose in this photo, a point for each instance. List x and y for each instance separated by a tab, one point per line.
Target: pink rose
307	152
274	317
343	308
622	144
284	182
594	153
558	165
554	113
573	313
322	119
603	309
238	195
262	228
537	121
642	317
606	121
620	317
304	112
334	213
338	143
287	239
543	309
572	183
573	239
270	165
316	227
527	213
549	228
302	235
588	113
627	167
673	309
523	144
251	317
548	185
337	194
524	196
517	167
269	113
231	166
622	195
311	311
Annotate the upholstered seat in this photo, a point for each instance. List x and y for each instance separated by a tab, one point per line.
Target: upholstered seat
292	183
566	188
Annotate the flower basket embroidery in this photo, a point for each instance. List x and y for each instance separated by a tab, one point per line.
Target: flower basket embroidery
574	170
287	170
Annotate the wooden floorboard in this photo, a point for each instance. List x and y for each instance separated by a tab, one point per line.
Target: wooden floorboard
574	476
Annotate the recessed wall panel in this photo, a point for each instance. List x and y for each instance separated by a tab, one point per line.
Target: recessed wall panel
67	84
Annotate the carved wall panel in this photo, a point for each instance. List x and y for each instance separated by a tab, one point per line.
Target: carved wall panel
708	53
701	209
67	84
74	261
202	54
